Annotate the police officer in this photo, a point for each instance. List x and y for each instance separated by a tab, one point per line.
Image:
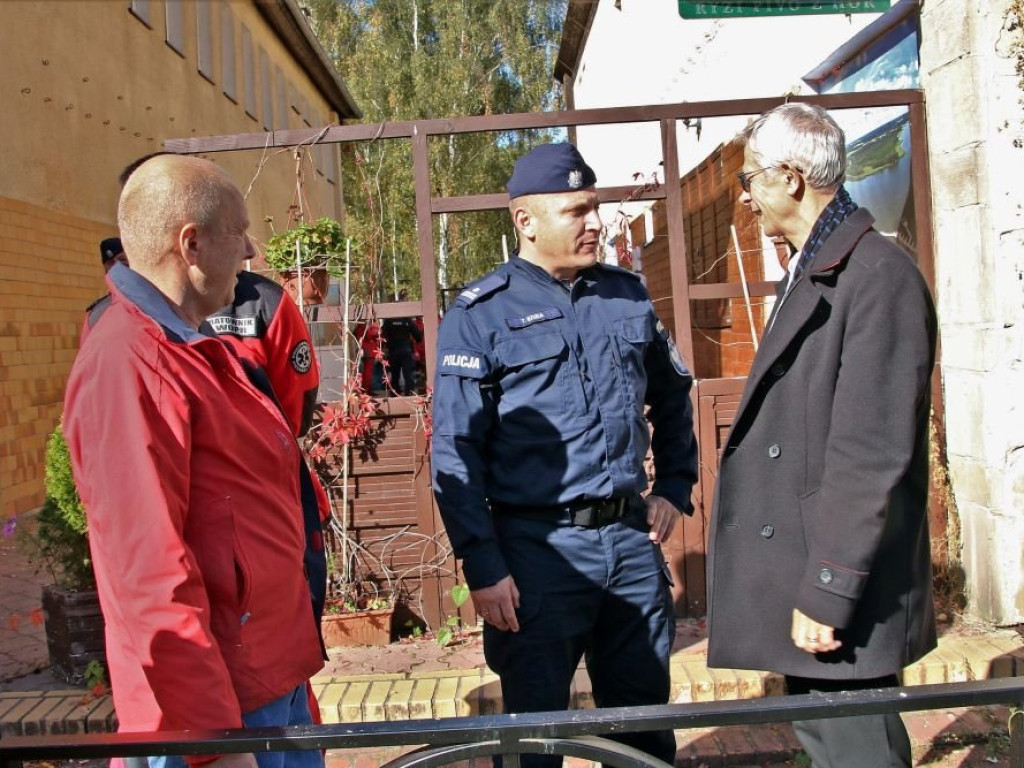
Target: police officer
400	335
544	369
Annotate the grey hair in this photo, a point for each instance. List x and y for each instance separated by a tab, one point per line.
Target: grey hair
800	136
158	201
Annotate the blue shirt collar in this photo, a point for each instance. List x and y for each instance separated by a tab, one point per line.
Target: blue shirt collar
148	298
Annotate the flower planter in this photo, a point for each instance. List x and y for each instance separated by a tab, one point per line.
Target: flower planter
314	284
74	631
357	628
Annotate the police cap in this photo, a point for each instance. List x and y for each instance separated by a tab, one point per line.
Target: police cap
109	248
550	168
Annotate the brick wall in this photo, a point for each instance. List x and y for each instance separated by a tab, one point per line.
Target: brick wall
722	345
50	270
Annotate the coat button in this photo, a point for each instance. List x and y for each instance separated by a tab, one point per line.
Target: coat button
774	451
767	531
778	369
825	576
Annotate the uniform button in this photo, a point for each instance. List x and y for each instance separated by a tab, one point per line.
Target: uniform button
825	575
778	369
774	451
767	531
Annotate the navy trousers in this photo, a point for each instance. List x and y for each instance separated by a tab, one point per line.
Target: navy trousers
599	593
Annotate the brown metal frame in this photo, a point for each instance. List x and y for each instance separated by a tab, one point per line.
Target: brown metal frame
420	132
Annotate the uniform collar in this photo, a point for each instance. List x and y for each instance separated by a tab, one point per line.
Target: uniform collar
587	276
137	290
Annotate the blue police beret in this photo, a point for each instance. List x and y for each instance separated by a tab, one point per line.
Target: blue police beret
550	168
109	248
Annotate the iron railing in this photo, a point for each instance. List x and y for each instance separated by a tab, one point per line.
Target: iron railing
575	733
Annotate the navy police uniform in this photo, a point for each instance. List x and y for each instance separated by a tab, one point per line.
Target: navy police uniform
539	441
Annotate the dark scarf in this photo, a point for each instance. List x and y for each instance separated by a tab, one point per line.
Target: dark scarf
837	210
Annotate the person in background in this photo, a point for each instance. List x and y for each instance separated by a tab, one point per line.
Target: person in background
545	368
819	560
400	334
112	253
187	471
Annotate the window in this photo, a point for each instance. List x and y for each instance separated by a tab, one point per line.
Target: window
267	102
140	10
330	161
174	13
248	74
281	113
227	53
204	38
318	150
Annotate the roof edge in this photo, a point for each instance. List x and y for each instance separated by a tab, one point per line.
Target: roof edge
287	19
579	17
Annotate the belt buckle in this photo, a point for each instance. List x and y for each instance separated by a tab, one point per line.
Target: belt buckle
610	510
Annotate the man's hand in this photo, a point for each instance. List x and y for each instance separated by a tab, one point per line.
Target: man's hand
497	604
243	760
661	517
808	635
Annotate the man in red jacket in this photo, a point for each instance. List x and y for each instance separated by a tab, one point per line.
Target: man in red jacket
188	475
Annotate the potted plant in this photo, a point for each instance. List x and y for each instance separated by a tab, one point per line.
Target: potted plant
60	545
357	614
305	256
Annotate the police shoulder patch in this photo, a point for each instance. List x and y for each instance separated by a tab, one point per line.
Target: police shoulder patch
481	288
466	363
302	357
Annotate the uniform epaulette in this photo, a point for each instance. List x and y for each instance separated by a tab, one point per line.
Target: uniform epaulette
619	270
484	287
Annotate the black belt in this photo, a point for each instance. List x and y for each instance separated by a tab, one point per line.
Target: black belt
584	514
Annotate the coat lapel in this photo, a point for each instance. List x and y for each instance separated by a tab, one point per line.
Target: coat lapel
791	315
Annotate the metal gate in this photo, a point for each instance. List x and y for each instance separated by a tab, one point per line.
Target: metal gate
714	398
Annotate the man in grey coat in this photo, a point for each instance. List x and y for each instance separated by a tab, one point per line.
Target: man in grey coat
819	564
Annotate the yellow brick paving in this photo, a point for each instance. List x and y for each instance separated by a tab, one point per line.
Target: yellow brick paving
453	692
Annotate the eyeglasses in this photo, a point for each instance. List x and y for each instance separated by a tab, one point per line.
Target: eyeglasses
745	177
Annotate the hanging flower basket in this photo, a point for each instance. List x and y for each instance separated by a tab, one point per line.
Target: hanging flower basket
315	247
314	284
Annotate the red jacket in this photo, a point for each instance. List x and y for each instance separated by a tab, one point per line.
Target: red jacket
264	325
188	476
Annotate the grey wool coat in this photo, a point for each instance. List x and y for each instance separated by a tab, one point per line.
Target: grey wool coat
823	484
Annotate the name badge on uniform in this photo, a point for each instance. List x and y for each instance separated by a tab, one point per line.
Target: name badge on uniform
235	326
471	365
533	317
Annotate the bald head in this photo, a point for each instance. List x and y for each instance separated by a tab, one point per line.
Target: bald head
162	196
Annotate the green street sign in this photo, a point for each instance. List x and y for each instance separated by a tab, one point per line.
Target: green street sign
725	9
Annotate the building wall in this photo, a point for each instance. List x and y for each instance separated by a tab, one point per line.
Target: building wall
974	120
722	341
641	52
87	87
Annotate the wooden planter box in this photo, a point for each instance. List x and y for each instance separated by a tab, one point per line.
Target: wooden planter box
74	631
359	628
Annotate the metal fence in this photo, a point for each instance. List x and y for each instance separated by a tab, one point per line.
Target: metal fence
576	733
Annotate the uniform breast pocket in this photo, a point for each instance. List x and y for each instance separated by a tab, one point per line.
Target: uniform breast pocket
632	337
533	383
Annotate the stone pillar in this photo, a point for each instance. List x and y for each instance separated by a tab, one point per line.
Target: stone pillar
976	141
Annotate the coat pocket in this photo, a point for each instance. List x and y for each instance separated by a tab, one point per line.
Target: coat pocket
810	518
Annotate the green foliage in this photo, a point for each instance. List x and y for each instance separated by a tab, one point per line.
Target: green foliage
321	243
426	59
60	541
60	483
453	624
